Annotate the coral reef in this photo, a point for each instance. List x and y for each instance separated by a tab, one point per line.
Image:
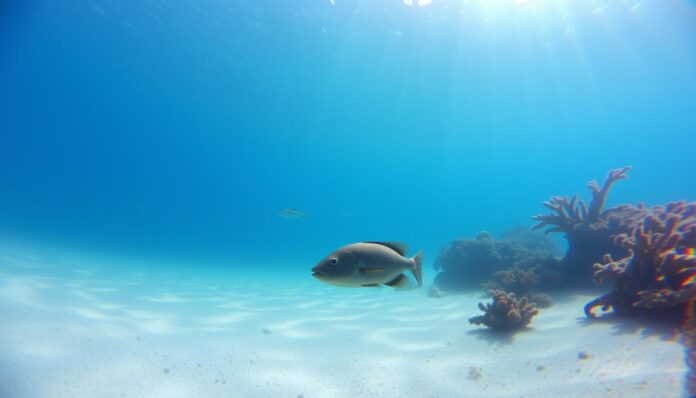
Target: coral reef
589	230
506	312
469	263
656	267
521	282
540	300
531	240
659	271
515	280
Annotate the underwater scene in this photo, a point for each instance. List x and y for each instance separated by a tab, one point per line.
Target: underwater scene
346	198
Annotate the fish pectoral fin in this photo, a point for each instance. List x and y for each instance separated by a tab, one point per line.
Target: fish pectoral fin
399	282
371	285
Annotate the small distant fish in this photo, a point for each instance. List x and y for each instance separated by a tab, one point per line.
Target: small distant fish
291	214
369	264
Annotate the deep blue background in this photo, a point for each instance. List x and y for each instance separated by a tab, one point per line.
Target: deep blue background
175	130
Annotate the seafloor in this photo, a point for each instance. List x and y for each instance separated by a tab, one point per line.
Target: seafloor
78	329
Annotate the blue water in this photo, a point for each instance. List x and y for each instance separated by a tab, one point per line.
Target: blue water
177	130
168	135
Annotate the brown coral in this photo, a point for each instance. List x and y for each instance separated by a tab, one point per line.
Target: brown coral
660	269
505	312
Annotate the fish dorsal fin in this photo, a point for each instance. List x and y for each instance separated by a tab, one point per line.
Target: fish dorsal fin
396	246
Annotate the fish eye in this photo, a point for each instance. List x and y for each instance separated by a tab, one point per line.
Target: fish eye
333	261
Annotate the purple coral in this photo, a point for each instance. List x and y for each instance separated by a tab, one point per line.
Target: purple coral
660	268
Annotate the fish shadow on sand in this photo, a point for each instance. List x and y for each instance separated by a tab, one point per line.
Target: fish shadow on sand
496	338
665	330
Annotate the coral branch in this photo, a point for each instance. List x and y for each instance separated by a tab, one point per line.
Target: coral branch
567	213
609	269
605	302
599	196
566	216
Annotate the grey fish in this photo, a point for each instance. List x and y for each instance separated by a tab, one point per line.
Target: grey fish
291	214
369	264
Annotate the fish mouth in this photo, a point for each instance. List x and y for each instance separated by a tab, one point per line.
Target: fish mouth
319	274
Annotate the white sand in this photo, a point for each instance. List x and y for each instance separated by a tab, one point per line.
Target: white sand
70	331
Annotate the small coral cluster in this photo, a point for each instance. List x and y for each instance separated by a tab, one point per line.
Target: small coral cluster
660	268
506	312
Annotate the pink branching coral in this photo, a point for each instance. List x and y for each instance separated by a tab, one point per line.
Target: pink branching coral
660	269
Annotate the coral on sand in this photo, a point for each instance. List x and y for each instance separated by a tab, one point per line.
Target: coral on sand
469	263
506	312
659	271
589	230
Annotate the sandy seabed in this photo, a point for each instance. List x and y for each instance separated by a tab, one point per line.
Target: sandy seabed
73	330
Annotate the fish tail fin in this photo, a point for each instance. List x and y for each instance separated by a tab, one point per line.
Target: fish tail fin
417	266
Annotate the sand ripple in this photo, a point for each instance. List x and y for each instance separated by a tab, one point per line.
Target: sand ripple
81	331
